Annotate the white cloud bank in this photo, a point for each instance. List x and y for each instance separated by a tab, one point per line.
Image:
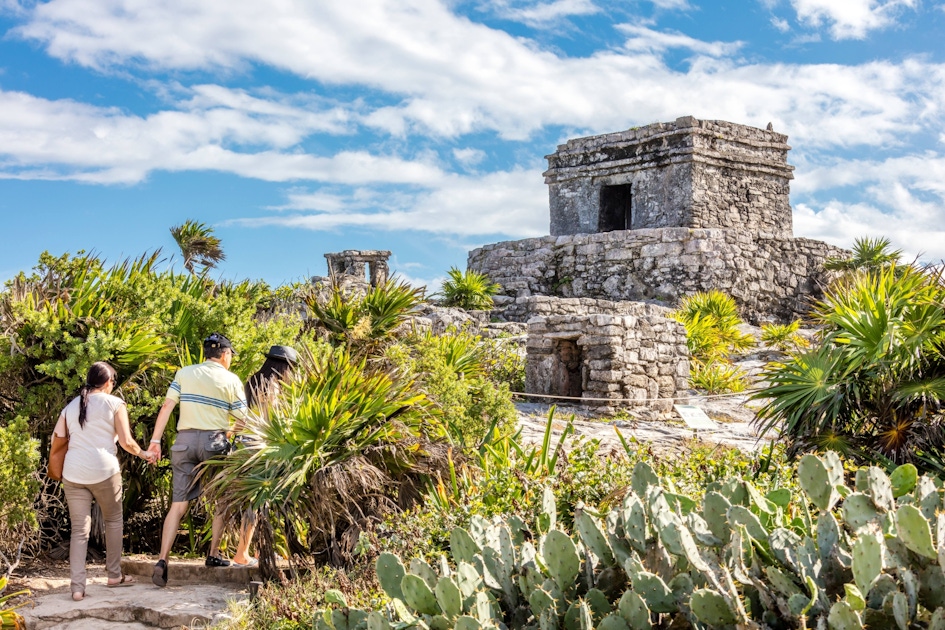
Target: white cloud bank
442	75
851	19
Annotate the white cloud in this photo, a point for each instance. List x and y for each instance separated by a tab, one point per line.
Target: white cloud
508	202
544	13
216	129
781	24
644	39
469	156
672	5
449	76
851	19
904	201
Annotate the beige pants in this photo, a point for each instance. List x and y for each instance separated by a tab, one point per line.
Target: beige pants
79	497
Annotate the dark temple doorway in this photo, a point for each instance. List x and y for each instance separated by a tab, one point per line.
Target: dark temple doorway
567	375
615	208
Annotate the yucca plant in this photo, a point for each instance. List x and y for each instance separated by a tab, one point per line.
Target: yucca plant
717	377
713	318
332	450
874	387
468	289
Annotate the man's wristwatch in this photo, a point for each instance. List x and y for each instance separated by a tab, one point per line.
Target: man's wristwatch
155	441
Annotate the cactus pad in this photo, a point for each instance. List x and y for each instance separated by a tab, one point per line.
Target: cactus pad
710	608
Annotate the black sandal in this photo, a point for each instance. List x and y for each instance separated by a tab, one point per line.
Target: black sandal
216	561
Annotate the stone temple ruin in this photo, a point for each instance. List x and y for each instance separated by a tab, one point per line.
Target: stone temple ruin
641	218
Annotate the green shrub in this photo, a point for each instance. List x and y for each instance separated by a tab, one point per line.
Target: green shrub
712	336
19	482
504	362
452	369
468	289
783	337
717	377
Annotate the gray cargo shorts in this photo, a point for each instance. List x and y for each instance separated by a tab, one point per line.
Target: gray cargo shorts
191	448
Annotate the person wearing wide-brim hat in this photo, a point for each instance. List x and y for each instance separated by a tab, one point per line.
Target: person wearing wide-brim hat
264	385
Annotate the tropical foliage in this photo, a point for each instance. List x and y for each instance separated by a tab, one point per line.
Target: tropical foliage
873	388
468	289
145	320
340	445
783	337
452	370
199	247
364	324
869	254
713	336
19	483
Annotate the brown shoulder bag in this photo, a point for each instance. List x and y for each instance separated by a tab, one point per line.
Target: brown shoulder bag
57	455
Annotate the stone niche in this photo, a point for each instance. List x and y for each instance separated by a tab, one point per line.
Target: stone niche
608	360
688	173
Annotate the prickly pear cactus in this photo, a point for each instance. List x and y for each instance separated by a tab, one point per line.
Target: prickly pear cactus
829	556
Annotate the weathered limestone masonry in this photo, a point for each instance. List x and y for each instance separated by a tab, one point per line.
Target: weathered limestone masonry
638	355
691	173
664	211
769	278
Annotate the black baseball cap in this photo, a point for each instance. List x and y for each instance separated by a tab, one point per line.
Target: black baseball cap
216	340
283	353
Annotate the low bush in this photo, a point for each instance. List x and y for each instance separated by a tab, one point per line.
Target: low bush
19	483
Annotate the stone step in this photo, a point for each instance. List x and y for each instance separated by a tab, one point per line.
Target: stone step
188	570
136	607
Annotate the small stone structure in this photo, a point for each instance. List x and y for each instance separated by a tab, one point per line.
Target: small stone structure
665	211
638	356
368	265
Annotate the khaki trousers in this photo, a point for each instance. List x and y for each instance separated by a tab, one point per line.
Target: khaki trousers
79	497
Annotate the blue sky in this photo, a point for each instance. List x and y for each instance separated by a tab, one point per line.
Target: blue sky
300	127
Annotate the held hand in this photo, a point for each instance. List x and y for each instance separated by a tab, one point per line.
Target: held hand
155	450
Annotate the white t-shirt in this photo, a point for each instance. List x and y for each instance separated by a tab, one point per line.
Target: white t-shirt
93	455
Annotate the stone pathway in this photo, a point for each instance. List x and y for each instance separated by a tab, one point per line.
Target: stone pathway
194	597
732	417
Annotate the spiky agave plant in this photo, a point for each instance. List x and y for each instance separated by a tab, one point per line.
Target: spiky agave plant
333	449
874	388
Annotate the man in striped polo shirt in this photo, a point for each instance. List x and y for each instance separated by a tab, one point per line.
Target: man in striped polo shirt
209	394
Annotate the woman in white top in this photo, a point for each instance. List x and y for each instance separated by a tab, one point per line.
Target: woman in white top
96	421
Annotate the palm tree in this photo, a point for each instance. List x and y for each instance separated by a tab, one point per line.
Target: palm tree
868	253
198	245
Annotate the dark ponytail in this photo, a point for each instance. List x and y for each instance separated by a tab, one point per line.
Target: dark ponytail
99	375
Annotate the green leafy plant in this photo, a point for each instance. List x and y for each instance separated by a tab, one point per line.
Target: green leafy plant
783	337
874	386
713	336
331	450
364	324
452	369
468	289
19	481
716	377
869	254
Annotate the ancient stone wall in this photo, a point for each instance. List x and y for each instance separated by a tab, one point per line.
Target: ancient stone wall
688	173
768	277
632	357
